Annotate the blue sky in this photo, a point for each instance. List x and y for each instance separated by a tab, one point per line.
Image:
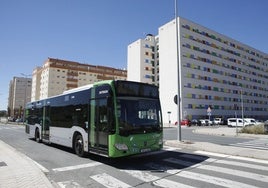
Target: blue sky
98	31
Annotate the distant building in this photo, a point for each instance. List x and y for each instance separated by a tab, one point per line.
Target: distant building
143	60
57	75
19	94
219	75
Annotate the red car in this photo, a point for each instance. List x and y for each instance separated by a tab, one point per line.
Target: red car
185	122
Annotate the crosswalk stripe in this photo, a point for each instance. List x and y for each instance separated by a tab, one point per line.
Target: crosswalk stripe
76	167
222	161
254	144
146	177
109	181
211	154
186	163
65	184
240	164
169	148
234	172
204	178
232	157
213	180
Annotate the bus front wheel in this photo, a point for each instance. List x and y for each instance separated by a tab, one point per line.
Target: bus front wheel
79	146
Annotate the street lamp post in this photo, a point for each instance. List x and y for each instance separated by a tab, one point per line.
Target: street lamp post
179	102
242	105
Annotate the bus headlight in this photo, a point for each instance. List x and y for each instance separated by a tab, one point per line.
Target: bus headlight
121	147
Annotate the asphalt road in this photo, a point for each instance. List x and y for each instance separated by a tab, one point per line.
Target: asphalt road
172	167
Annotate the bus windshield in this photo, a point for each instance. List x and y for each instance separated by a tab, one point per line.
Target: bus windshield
138	115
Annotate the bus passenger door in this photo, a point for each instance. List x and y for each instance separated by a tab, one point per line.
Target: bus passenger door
45	123
101	125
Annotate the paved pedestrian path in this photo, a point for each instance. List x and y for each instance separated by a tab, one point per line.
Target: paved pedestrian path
18	171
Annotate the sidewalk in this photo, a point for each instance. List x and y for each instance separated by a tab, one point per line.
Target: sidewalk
19	171
228	150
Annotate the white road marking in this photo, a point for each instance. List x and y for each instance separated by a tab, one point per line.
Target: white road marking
240	164
146	177
169	148
249	159
211	153
213	180
109	181
76	167
222	161
232	157
234	172
66	184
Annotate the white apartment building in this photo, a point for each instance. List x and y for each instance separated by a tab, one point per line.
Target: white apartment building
143	60
19	95
216	72
56	76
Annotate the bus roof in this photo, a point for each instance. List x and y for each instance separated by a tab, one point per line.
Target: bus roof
82	88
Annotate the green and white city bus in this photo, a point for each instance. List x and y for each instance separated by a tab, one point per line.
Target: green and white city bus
110	118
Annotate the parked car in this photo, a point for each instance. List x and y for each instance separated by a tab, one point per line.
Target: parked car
194	122
205	122
233	122
249	121
186	122
217	121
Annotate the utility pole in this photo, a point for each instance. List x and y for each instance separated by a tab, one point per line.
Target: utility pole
179	75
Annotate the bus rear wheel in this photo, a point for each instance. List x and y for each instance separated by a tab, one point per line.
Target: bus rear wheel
37	136
79	146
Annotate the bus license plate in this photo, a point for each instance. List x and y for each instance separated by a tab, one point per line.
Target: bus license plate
145	150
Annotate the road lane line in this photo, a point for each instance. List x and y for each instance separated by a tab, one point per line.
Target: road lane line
76	167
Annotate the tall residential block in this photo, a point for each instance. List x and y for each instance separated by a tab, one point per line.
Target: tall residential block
219	76
143	60
19	95
56	76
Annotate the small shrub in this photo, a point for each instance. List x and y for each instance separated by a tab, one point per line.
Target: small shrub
254	129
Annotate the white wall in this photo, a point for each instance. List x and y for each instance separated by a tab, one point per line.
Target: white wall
168	79
134	61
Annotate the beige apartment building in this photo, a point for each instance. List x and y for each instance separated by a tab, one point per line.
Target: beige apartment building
56	76
19	95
